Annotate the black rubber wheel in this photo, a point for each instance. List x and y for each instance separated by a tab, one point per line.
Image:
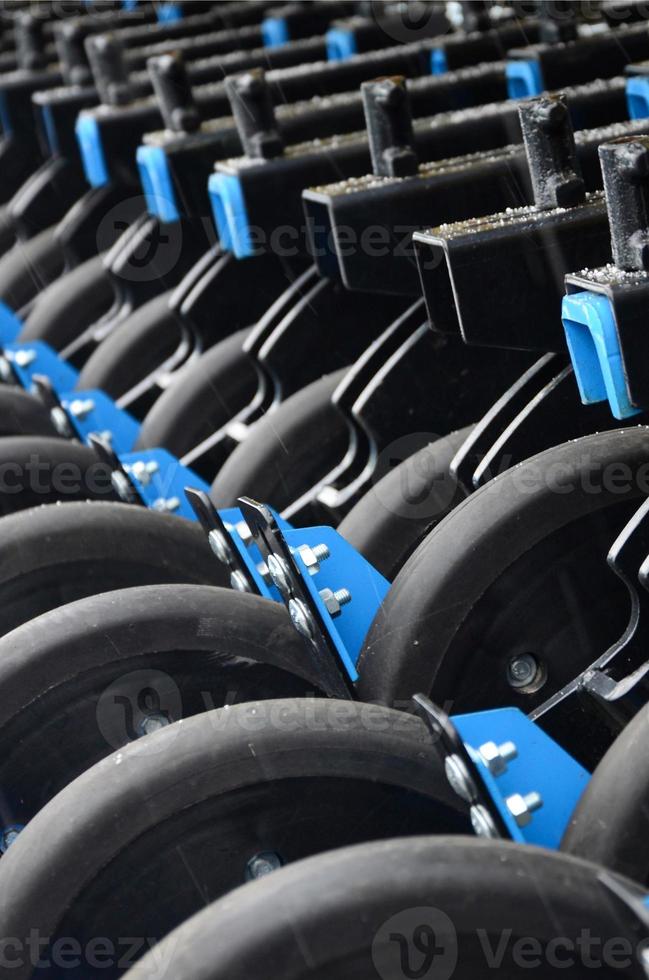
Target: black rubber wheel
63	310
134	349
610	824
433	907
152	833
81	681
404	505
518	567
23	414
203	399
40	470
54	555
287	451
29	267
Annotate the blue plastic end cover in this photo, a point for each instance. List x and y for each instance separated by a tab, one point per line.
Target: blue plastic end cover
230	215
92	152
10	324
341	44
438	61
523	79
50	129
637	97
274	32
169	12
157	184
5	121
595	353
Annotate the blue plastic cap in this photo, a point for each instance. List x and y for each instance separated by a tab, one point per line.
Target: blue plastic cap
595	352
169	12
230	215
523	79
92	152
341	44
274	32
438	61
637	97
157	184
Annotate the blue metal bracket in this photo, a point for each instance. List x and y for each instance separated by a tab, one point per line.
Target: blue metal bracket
344	569
10	324
160	480
230	214
594	347
539	767
155	177
637	97
94	412
91	149
332	593
523	79
341	44
168	13
37	357
515	781
274	32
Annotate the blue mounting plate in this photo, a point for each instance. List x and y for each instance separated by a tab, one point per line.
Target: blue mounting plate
274	32
541	766
94	412
341	44
345	568
230	215
248	552
157	184
160	479
38	357
10	324
594	349
523	79
91	149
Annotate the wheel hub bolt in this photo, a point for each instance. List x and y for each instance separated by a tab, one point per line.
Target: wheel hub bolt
154	722
482	823
238	581
301	618
219	546
279	573
522	669
313	556
262	864
459	778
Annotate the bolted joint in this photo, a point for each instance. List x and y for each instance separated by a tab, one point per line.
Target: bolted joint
551	153
254	114
238	581
302	619
220	546
459	778
106	57
173	90
522	807
625	169
313	556
482	822
389	127
496	757
280	574
335	600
